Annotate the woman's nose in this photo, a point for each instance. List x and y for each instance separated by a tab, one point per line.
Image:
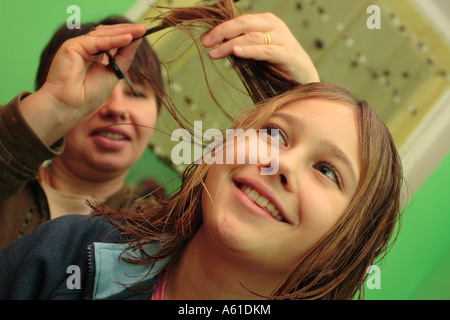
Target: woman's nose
114	106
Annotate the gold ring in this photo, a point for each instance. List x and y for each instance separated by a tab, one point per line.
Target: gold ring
267	39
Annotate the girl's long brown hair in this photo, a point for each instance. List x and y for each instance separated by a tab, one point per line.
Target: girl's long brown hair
361	235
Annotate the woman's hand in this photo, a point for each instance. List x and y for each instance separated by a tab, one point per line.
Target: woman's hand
78	80
245	37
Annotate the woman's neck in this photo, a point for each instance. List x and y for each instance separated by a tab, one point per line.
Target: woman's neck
201	273
64	180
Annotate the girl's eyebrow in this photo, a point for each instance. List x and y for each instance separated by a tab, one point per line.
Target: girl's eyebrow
337	152
290	119
341	156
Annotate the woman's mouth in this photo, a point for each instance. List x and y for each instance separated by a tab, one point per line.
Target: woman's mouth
261	201
112	135
110	139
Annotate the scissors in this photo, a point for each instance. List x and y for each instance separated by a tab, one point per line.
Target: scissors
115	68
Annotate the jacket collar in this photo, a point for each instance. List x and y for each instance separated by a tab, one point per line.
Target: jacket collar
113	275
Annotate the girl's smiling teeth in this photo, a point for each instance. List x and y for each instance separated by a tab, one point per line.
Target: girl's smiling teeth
262	202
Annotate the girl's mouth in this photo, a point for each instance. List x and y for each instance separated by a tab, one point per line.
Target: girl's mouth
261	201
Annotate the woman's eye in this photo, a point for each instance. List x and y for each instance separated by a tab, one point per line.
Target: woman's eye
138	95
276	133
329	171
135	94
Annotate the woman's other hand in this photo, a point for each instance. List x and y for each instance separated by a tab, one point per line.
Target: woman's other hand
247	36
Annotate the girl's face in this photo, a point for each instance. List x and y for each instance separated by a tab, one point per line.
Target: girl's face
273	220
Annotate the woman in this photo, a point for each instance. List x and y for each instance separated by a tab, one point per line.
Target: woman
308	231
55	118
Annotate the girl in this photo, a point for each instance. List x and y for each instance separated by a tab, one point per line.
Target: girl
310	231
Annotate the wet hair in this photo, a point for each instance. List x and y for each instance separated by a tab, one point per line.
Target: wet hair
362	234
145	68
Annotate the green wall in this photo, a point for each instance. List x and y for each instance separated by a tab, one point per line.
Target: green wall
418	265
27	25
416	268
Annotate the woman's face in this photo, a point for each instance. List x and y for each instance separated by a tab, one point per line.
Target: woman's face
273	220
111	139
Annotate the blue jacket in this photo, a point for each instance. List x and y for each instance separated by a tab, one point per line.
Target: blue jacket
74	257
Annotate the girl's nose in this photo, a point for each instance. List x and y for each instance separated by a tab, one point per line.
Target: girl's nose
288	174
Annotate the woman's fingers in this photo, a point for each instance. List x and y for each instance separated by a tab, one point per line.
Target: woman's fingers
78	75
270	53
255	33
262	37
124	56
136	30
94	45
119	37
263	22
105	38
252	40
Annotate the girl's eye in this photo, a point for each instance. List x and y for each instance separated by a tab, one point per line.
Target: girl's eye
276	133
329	171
